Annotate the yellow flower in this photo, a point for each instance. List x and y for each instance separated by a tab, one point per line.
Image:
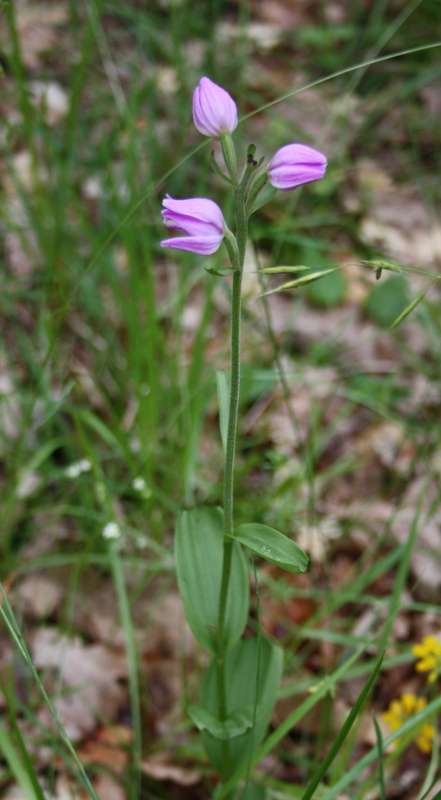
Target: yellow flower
429	651
401	710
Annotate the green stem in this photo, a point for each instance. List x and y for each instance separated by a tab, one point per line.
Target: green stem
234	405
230	452
229	484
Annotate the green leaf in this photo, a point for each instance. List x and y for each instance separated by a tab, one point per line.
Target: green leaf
265	196
255	382
387	300
328	292
305	279
380	745
273	546
23	771
223	398
253	669
219	273
408	310
276	270
199	556
253	792
236	723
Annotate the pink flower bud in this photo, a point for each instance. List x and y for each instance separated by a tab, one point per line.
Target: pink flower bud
199	218
214	110
295	164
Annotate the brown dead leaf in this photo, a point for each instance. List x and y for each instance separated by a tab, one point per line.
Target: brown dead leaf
38	29
115	735
38	596
108	748
65	789
397	220
110	757
89	677
284	13
161	770
169	633
425	557
107	788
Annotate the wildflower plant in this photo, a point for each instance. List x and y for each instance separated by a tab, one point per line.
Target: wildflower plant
212	552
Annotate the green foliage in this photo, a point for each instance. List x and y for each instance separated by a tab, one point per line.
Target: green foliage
199	555
253	792
329	291
408	309
233	725
273	546
223	396
387	300
305	280
255	382
252	673
344	731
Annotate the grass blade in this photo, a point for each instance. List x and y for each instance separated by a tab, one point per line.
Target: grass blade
132	659
276	270
305	279
410	725
346	727
15	632
409	308
381	782
20	771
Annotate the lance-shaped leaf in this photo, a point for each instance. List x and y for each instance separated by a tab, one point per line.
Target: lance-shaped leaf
277	270
303	281
253	669
234	725
273	546
408	310
199	557
223	399
264	196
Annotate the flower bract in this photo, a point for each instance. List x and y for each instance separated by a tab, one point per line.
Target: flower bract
295	164
199	218
214	110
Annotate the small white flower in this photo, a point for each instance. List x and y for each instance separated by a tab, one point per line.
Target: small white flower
139	484
111	531
77	468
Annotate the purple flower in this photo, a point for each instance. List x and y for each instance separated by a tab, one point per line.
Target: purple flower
214	110
295	164
199	218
